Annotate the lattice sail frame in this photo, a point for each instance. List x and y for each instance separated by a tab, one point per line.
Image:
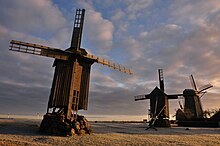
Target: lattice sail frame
41	50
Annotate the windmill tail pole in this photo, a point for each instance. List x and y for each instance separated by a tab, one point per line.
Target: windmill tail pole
153	120
161	111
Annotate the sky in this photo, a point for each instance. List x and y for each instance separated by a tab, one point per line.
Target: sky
181	37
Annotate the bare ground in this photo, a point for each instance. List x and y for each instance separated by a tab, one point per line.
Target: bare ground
15	132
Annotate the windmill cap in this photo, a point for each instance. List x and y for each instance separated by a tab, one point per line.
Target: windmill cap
189	92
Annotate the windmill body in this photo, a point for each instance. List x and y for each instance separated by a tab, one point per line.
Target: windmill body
70	86
192	106
158	99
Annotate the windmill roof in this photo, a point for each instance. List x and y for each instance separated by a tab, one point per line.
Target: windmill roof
157	91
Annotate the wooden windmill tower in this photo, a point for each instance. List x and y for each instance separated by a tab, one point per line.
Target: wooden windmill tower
70	87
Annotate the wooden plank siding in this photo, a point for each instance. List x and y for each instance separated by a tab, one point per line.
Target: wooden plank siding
84	89
61	84
70	86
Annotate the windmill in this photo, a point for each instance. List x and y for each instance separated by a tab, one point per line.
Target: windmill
159	106
70	86
192	109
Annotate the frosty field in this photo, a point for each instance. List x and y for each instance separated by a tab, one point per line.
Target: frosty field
26	132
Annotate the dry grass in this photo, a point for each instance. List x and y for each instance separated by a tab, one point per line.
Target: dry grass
25	132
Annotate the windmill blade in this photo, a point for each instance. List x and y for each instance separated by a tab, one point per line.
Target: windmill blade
161	79
36	49
205	87
174	96
141	97
109	64
203	93
77	30
193	83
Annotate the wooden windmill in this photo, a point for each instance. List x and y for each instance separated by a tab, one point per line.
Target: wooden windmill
159	106
70	86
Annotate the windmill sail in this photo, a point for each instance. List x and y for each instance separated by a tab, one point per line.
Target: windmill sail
205	87
193	83
141	97
161	79
77	29
36	49
108	63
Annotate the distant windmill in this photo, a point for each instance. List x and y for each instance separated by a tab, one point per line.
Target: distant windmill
192	109
159	106
70	87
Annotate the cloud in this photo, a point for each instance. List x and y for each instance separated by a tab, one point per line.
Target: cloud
193	12
26	79
135	8
98	31
31	16
118	14
180	50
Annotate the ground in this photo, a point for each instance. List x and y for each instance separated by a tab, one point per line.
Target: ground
26	132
